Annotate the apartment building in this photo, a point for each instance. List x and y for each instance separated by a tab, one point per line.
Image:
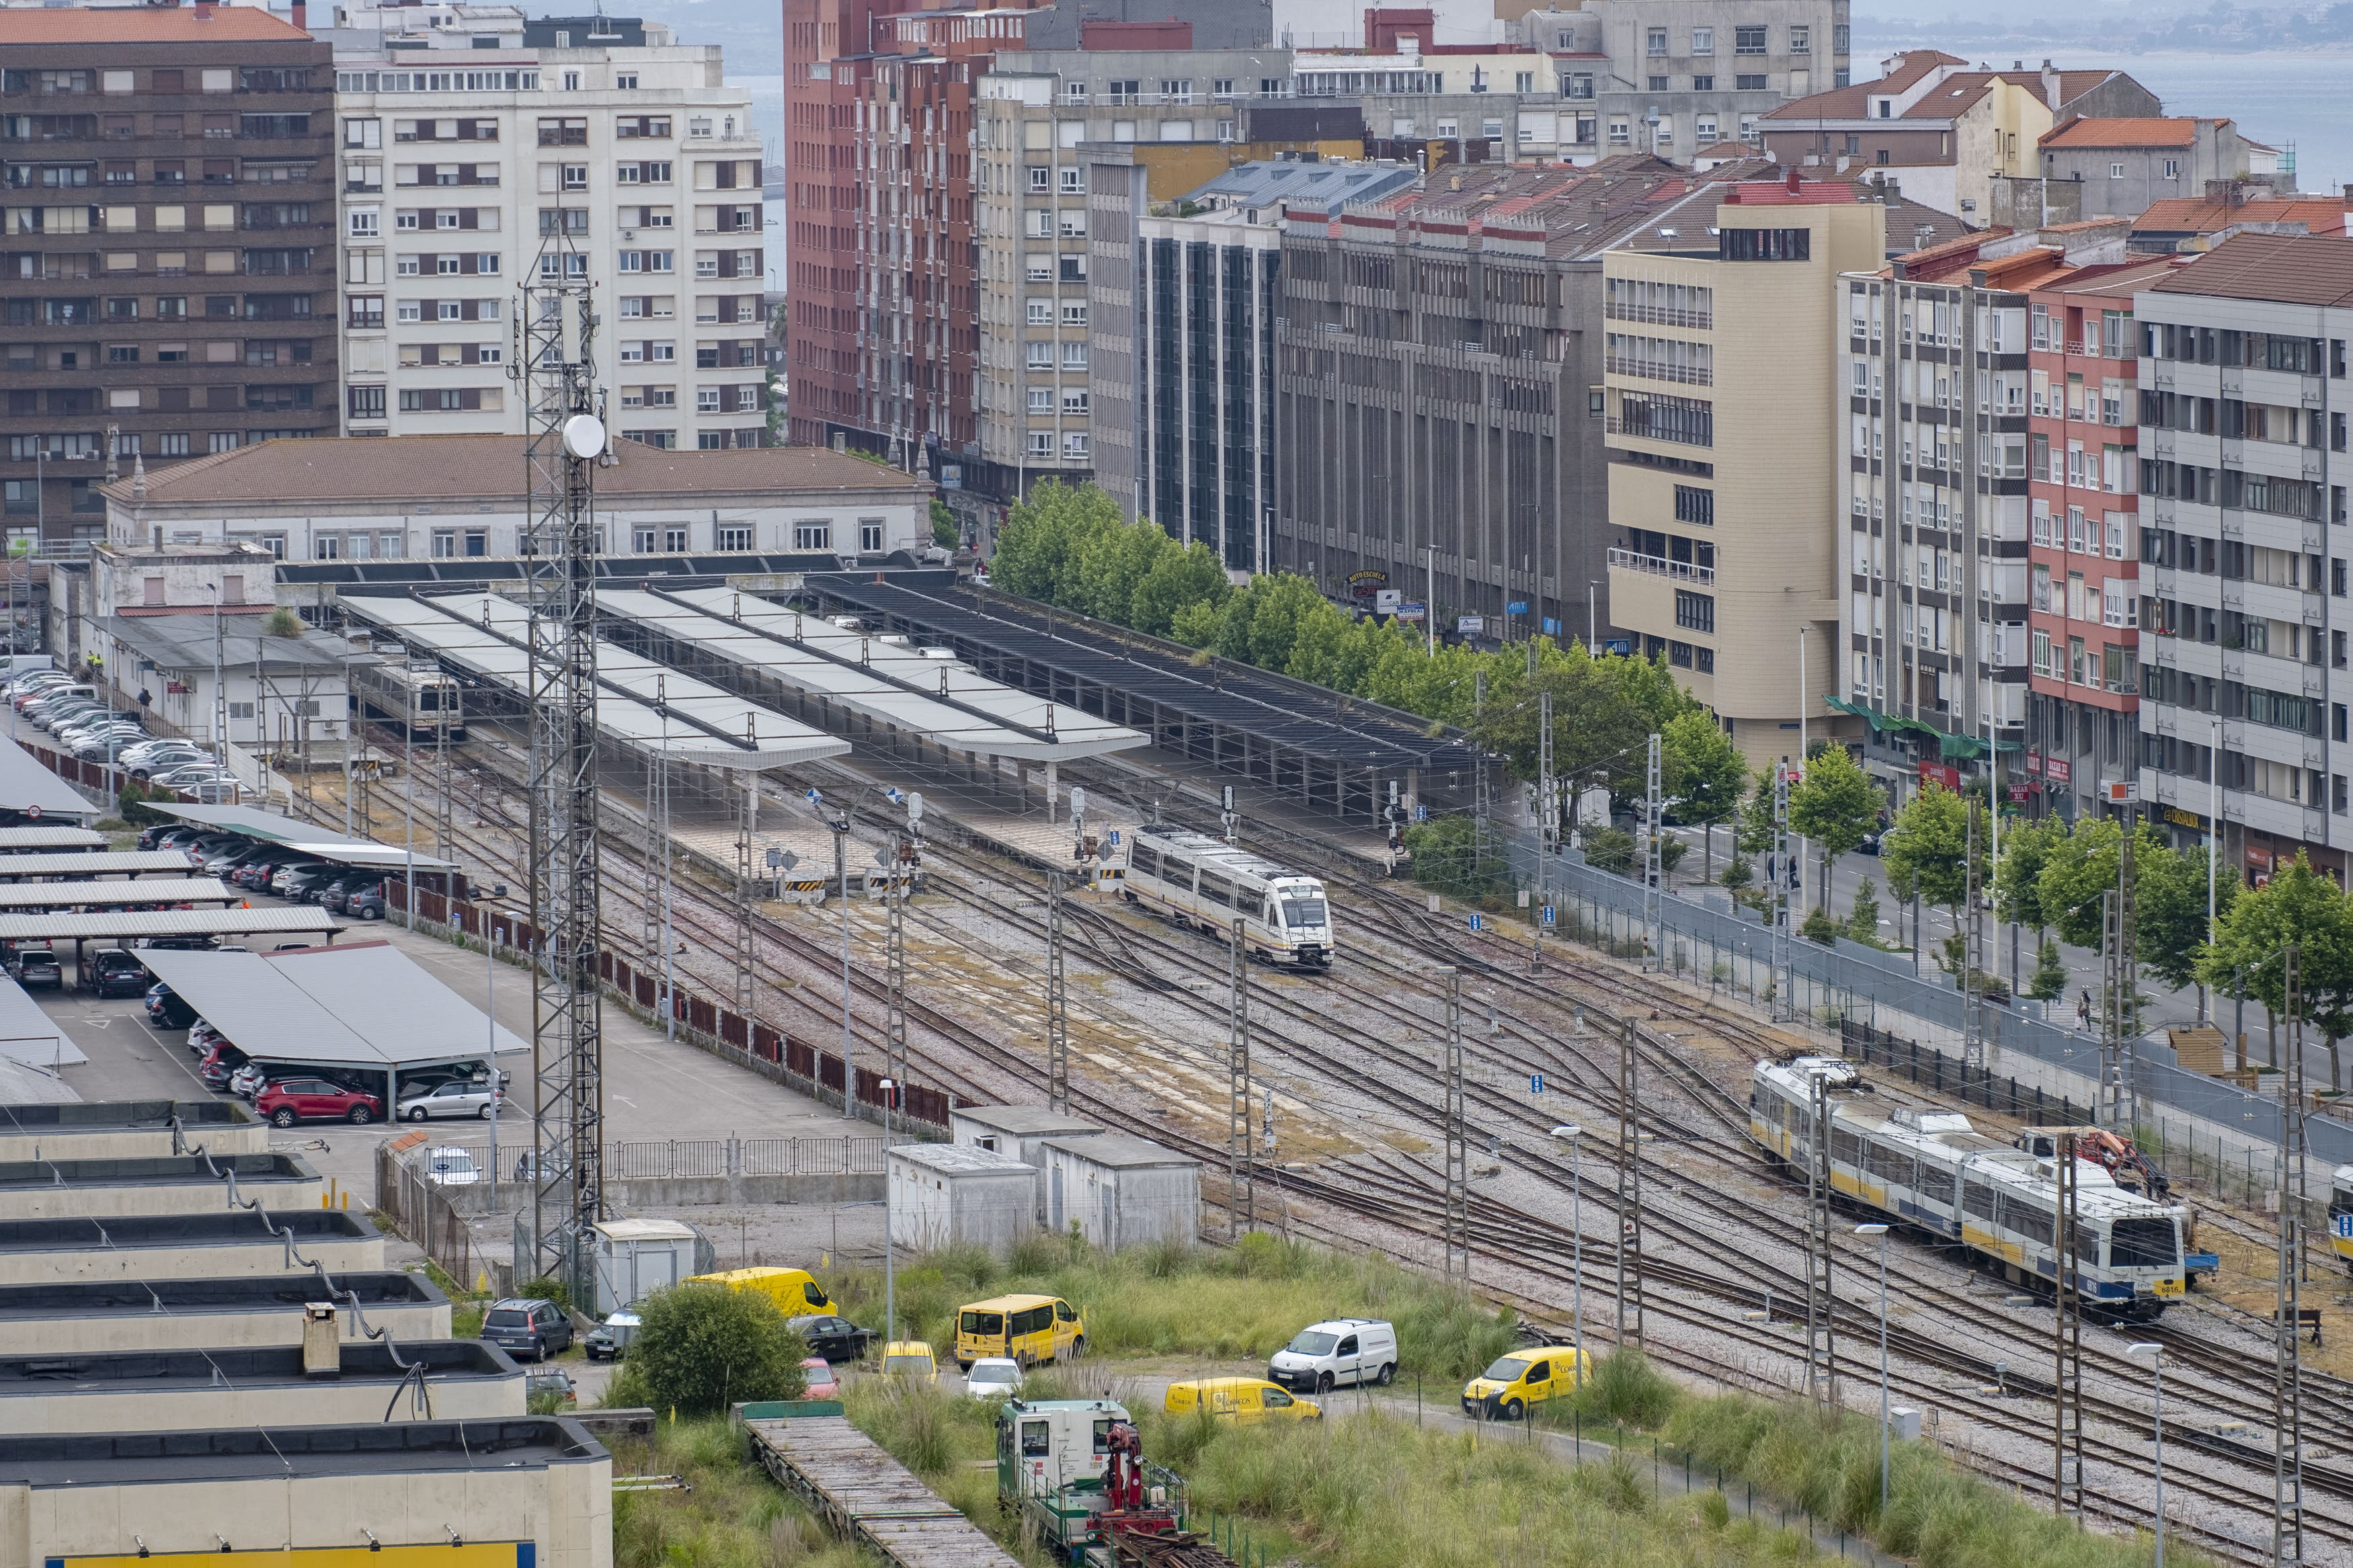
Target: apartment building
2243	477
479	149
1430	104
166	247
1725	398
2094	168
1686	79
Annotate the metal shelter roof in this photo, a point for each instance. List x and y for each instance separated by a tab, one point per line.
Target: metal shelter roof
307	836
29	787
992	629
889	683
84	895
368	1004
17	840
31	1037
128	925
85	867
641	703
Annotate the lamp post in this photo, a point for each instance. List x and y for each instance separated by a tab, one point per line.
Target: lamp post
890	1251
1572	1132
2156	1353
1881	1232
220	692
1429	596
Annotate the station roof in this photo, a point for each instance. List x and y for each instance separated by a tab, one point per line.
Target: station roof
276	1453
25	785
156	1171
368	1004
245	1366
1270	708
229	1228
890	683
30	1035
115	863
641	703
132	923
42	835
306	836
82	895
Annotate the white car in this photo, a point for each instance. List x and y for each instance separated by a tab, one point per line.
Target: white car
458	1098
993	1379
450	1167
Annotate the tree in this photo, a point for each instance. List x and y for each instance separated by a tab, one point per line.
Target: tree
1819	927
2169	911
2025	849
1927	852
1705	776
1045	538
1176	579
1834	805
945	532
701	1347
2050	980
1863	922
283	622
1448	859
2298	907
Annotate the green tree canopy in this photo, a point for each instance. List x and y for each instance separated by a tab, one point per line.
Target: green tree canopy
701	1347
1927	851
2025	848
1834	805
2298	907
1704	773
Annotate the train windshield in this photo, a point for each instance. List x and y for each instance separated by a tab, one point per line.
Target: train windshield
1298	912
2142	1244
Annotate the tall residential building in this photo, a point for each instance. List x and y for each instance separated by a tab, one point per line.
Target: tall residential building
2243	477
1726	395
167	278
469	138
1429	103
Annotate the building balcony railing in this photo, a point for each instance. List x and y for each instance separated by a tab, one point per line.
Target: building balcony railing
1661	315
1657	370
1680	570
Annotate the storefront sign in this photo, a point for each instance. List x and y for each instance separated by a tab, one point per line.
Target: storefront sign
2057	769
2019	792
1365	585
1943	773
2033	762
2181	818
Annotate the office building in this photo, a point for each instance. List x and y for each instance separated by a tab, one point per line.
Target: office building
2243	475
167	242
1724	399
473	140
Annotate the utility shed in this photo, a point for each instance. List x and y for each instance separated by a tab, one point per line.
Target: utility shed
942	1195
186	1245
530	1492
154	1183
636	1257
185	1390
129	1129
1122	1191
1017	1133
90	1315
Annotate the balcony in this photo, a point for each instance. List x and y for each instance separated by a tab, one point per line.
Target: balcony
1661	316
1659	370
1681	571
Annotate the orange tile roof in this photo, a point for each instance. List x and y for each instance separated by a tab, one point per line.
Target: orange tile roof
2123	133
147	25
1853	102
2202	215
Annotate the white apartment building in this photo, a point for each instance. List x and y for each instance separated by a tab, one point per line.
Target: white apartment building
471	136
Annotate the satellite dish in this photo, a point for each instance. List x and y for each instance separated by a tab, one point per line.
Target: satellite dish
584	435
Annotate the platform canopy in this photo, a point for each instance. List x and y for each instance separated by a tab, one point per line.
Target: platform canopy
307	838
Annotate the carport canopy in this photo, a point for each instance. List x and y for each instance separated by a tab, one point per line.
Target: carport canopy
128	925
69	867
31	790
365	1007
307	838
30	1035
17	896
18	841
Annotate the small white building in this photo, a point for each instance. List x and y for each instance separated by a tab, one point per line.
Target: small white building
636	1257
1017	1133
1120	1191
947	1194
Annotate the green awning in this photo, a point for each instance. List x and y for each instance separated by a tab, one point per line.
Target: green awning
1950	746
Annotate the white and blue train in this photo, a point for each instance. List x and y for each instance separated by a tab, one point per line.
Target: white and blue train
1932	1171
1199	880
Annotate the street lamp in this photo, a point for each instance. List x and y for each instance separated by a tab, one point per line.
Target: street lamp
1572	1132
1881	1232
2156	1354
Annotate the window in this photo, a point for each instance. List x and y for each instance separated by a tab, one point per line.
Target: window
735	539
1694	612
1704	83
870	535
1801	40
1657	44
1702	40
1659	84
1765	245
1749	83
812	535
1749	40
2115	171
1041	443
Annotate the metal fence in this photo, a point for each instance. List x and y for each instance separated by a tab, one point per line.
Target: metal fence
1950	1075
418	1210
743	1157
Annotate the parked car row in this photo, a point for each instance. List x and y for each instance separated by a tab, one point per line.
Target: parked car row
275	869
85	727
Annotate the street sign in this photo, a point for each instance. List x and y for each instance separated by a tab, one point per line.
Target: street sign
1536	1083
782	859
1421	814
33	812
1548	915
2343	1225
1470	625
814	796
2122	791
1478	920
1112	839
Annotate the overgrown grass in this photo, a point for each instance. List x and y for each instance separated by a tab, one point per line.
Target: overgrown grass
1246	1301
465	1308
734	1516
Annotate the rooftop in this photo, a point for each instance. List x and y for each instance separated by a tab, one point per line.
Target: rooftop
1265	182
184	640
147	25
1024	1120
244	1293
125	1115
254	1453
1854	102
25	785
951	1159
154	1171
2205	214
50	835
229	1229
273	827
368	1360
1120	1150
429	468
2081	132
2290	269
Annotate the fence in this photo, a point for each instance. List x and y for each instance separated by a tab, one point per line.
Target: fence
417	1209
1950	1075
744	1157
718	1029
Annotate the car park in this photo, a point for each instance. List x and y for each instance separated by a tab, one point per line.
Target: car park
33	966
220	1066
367	904
994	1379
458	1098
165	1010
292	1100
339	879
113	972
1341	1353
302	885
609	1341
284	880
247	1082
530	1326
336	896
831	1336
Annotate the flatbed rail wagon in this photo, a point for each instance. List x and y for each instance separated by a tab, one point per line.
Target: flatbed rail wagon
861	1493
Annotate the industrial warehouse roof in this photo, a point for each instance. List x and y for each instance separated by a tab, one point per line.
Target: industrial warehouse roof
29	787
277	1453
21	896
246	1366
229	1229
887	682
17	840
1086	653
642	704
130	924
307	836
234	1293
30	1035
368	1004
121	863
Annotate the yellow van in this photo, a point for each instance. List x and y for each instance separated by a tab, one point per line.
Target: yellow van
1245	1401
1025	1328
795	1291
909	1359
1505	1390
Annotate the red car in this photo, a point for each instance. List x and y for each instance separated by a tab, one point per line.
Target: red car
315	1100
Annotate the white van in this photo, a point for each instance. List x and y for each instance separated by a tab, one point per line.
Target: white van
1337	1355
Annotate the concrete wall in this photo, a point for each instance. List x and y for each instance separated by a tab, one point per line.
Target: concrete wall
64	1408
194	1328
93	1201
641	1192
931	1208
195	1261
1116	1207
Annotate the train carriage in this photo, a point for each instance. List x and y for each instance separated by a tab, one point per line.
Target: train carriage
1195	878
1932	1171
419	697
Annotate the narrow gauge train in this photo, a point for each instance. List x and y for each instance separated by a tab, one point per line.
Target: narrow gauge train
419	697
1195	878
1930	1170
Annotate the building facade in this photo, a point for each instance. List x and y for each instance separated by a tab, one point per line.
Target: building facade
2119	168
167	282
479	150
1725	439
2243	477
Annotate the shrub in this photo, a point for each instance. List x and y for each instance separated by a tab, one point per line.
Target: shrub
698	1350
1819	927
546	1287
283	622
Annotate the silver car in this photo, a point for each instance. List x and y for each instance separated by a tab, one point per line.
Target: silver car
459	1099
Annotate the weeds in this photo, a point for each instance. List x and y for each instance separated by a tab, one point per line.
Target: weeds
734	1516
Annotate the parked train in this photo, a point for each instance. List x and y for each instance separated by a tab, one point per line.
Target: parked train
2341	1214
1193	878
420	699
1930	1170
